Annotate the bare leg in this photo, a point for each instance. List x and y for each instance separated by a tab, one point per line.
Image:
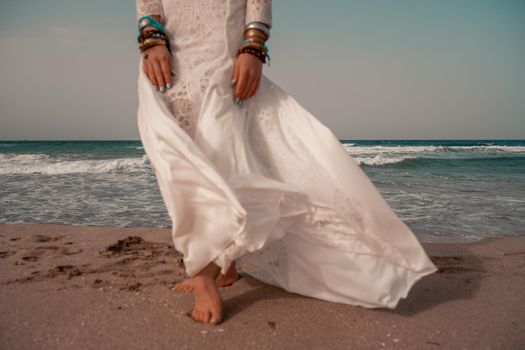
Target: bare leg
208	303
223	280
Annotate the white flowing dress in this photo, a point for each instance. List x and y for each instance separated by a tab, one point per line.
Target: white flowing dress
266	184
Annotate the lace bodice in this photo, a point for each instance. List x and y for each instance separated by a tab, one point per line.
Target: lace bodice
256	10
196	32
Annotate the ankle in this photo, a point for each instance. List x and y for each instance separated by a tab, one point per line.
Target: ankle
211	270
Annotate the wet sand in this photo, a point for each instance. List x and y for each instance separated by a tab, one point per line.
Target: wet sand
92	287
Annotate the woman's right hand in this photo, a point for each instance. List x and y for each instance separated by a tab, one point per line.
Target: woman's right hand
157	66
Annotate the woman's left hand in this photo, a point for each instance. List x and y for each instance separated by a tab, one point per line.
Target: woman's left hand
247	73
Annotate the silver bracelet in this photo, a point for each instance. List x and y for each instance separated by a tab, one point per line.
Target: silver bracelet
259	25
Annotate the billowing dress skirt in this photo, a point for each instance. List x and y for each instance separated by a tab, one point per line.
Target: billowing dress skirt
266	184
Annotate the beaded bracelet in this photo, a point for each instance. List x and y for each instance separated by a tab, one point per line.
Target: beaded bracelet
150	43
254	52
153	42
154	37
154	33
255	48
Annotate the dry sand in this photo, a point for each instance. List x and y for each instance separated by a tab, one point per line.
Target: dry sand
78	287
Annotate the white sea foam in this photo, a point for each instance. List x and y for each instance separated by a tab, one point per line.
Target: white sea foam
381	159
380	155
491	148
374	155
352	149
43	164
356	150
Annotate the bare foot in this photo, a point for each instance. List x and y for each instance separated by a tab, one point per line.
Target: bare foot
185	286
223	280
230	277
208	303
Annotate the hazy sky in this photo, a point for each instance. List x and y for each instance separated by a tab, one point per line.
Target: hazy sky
368	69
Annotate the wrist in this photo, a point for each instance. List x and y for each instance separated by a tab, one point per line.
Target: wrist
254	42
152	33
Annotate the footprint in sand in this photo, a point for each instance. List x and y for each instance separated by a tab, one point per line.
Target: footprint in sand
132	287
30	258
44	238
98	283
68	271
40	252
70	250
134	245
49	251
123	264
7	253
151	262
135	248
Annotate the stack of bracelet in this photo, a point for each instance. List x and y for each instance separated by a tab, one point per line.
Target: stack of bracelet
154	36
255	35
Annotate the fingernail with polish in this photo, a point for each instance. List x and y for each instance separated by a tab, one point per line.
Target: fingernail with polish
232	82
168	86
161	89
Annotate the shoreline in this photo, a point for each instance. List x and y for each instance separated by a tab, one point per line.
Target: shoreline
65	286
422	236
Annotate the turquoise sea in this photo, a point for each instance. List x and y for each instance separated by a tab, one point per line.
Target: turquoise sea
444	190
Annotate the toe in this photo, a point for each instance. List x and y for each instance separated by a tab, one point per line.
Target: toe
195	315
201	316
206	317
216	317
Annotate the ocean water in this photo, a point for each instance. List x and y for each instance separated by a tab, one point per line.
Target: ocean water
444	190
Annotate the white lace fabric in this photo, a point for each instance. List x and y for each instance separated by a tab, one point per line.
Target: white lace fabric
259	11
195	29
148	7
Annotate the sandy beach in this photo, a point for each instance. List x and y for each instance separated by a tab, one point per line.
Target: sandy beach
94	287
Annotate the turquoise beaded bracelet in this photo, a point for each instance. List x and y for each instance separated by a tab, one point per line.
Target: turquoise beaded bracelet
246	41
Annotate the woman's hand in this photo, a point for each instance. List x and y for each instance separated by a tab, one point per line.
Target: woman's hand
157	66
247	73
